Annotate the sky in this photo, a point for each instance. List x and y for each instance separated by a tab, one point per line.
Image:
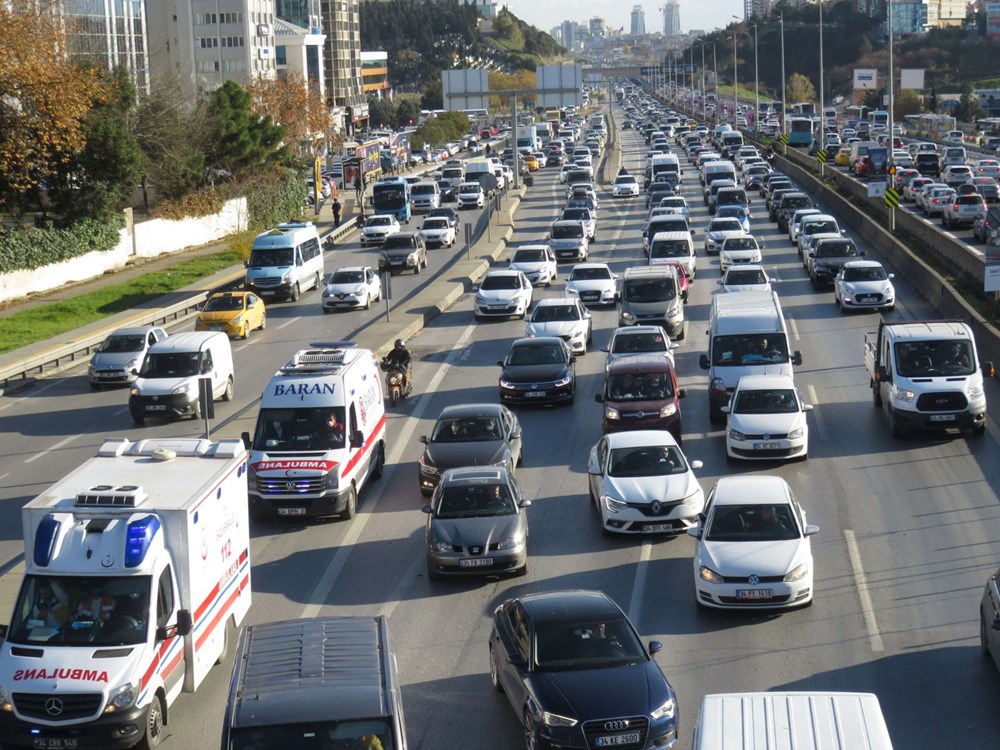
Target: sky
695	14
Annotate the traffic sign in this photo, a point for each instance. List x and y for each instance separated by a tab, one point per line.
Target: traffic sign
821	156
784	138
892	169
892	197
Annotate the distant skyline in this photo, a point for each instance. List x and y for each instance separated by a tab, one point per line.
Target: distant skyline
695	14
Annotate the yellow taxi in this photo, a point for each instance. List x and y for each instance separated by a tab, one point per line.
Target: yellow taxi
843	157
234	313
531	162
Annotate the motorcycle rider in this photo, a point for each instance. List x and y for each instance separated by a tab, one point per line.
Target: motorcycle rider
399	357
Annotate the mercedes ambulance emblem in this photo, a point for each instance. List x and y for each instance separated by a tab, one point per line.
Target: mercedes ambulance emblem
53	706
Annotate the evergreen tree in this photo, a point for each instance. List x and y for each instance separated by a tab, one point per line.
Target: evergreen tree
242	141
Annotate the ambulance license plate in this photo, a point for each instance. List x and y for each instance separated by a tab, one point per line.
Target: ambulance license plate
291	511
52	743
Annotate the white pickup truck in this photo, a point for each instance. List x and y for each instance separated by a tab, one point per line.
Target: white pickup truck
926	374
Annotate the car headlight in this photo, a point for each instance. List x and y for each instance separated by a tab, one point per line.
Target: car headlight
849	289
383	258
133	391
737	435
797	573
441	547
626	315
123	698
480	300
181	389
611	413
6	704
707	574
506	384
796	433
411	258
612	504
901	394
237	321
555	720
669	410
562	381
511	542
571	290
132	364
286	278
327	293
665	711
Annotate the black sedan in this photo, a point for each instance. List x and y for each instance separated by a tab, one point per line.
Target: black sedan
577	674
469	435
538	370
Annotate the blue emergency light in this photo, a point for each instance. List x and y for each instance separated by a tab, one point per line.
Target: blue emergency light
45	541
138	538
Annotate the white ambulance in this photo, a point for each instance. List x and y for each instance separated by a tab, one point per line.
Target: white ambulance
137	577
320	433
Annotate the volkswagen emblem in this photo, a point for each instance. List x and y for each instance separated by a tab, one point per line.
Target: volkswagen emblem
534	386
616	726
753	580
290	486
656	507
765	436
53	706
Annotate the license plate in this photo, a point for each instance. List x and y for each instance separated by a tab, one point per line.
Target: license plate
291	511
614	740
942	417
156	407
266	292
51	743
534	394
108	375
343	304
656	528
397	261
754	594
498	307
476	562
766	446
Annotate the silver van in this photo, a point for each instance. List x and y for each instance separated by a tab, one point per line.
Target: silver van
285	261
425	195
652	296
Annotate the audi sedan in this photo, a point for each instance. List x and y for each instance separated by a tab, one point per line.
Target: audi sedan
753	549
577	674
592	283
641	483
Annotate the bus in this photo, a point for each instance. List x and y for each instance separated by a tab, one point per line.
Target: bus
879	117
391	195
927	125
857	112
800	131
804	109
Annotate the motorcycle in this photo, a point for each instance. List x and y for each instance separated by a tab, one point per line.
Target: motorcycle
395	391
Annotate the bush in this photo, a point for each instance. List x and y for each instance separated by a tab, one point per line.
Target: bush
193	205
272	197
26	248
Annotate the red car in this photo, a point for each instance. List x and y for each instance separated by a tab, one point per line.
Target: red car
682	279
862	166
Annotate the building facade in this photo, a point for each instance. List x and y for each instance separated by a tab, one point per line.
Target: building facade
672	18
909	17
375	73
111	35
342	61
597	26
638	21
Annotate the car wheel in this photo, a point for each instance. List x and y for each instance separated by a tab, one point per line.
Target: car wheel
296	291
979	430
227	395
139	420
895	427
263	321
153	735
351	509
376	473
494	671
984	643
245	331
432	574
368	301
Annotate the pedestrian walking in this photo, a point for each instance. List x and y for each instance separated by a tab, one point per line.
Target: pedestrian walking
358	185
336	212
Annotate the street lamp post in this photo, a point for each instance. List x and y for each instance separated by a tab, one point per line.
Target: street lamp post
704	93
736	80
892	136
756	79
781	17
822	100
715	81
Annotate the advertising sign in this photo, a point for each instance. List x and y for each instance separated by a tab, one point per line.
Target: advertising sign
467	88
865	78
992	20
559	85
911	78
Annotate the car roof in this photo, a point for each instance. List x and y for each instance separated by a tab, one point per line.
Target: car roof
636	438
862	264
745	267
555	301
587	265
628	330
761	382
533	340
474	475
470	410
134	331
569	606
749	490
641	362
503	272
351	268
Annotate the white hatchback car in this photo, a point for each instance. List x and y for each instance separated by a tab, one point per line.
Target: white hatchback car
537	262
626	186
739	250
503	294
641	483
437	231
592	284
351	287
753	549
767	420
565	318
863	285
749	277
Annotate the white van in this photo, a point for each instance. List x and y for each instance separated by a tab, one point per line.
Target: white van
167	384
299	464
717	170
674	247
665	164
425	196
790	721
729	142
285	261
747	335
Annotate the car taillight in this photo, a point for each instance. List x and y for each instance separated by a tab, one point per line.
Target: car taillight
955	207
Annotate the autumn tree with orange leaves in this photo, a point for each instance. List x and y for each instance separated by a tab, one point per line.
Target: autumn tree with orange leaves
293	105
45	98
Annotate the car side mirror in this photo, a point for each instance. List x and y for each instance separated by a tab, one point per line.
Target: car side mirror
426	508
797	358
682	392
135	371
811	529
245	437
246	264
3	632
881	374
499	363
599	398
807	407
988	369
703	362
696	464
525	503
654	647
515	660
423	439
695	531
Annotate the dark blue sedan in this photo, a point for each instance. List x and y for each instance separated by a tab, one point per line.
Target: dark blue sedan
577	674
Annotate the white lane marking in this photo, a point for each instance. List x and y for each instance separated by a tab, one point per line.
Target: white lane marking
817	414
4	476
861	581
641	568
120	412
64	442
287	323
794	327
321	591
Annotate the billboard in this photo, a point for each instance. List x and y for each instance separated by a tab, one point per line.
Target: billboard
911	78
992	20
865	78
465	89
559	86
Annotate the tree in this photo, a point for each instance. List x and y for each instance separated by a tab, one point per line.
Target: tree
905	102
932	103
800	89
241	140
968	106
298	108
382	112
432	96
44	97
407	111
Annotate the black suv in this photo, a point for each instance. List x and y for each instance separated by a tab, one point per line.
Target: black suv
828	258
927	164
402	251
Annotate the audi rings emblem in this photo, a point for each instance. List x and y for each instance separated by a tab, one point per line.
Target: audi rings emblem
616	725
753	580
53	706
656	507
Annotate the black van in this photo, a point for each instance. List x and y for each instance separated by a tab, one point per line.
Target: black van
315	683
927	164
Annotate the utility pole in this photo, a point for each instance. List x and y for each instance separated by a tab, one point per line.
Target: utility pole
783	105
756	78
822	99
892	137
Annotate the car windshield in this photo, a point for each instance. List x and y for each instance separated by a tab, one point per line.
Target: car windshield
223	304
469	189
725	225
379	221
750	349
318	428
590	274
836	250
120	344
752	523
356	733
820	227
536	354
567	231
466	429
742	276
637	343
170	365
576	214
649	290
347	277
732	212
645	386
585	645
552	313
625	180
529	256
436	224
935	358
771	401
646	461
797	202
271	257
498	281
740	243
669	249
82	611
474	500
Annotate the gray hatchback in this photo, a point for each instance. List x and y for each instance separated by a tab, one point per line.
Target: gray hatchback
118	358
477	524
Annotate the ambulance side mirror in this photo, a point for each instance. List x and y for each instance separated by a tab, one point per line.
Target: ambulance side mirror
3	632
245	437
358	438
184	622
